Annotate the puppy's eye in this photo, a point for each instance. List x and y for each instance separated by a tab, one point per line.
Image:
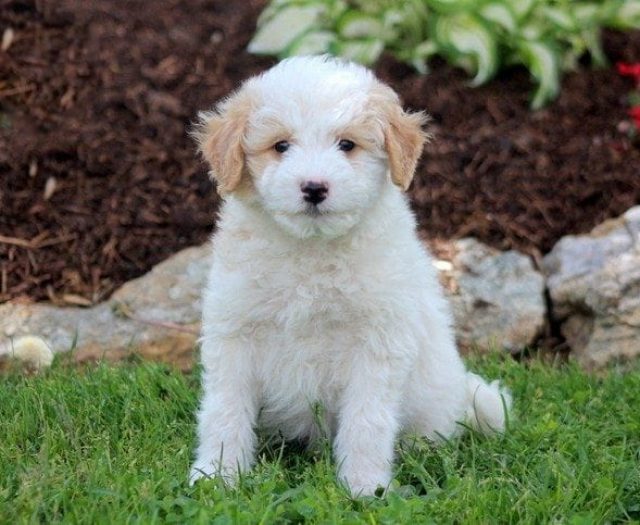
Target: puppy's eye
281	146
346	145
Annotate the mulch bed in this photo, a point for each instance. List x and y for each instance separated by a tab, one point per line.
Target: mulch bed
99	179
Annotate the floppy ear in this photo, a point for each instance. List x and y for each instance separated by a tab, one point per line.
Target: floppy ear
219	137
404	139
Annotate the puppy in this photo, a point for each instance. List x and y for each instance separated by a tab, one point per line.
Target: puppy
320	292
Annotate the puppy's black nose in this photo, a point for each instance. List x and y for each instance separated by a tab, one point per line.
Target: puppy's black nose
314	192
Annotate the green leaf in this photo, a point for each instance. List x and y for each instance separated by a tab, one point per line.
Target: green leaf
543	62
280	30
363	51
625	14
410	22
274	6
450	6
533	30
499	13
312	43
354	25
421	54
561	18
586	13
522	8
592	41
470	43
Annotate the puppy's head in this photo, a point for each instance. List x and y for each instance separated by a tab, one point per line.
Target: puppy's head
313	142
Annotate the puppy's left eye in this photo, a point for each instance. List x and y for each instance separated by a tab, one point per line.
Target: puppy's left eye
281	146
346	145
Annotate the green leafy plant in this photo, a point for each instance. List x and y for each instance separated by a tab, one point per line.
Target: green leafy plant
548	37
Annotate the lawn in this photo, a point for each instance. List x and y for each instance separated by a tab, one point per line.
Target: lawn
113	445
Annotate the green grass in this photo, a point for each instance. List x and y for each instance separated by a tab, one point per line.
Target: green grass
113	445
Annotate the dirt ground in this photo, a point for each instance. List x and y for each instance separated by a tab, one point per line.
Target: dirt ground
99	180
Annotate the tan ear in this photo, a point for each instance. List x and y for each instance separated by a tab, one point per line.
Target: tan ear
219	137
404	140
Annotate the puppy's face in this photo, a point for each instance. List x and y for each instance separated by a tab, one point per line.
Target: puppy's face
312	142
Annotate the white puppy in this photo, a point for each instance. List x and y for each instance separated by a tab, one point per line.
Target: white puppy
320	292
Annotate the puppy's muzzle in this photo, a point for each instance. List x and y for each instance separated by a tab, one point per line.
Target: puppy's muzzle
314	192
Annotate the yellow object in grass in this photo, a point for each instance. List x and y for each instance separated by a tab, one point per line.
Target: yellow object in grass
31	350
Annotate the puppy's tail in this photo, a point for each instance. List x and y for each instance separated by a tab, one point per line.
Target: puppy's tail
488	405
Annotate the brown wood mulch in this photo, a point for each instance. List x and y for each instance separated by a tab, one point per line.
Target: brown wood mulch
99	179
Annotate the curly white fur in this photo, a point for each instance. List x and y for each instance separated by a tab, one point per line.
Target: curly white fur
336	304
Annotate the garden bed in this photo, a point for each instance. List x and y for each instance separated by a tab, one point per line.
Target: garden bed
99	180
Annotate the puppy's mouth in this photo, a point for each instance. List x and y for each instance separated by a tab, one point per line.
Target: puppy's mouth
312	210
312	221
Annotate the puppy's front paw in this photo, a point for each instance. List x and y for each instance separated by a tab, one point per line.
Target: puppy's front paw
199	472
365	483
211	469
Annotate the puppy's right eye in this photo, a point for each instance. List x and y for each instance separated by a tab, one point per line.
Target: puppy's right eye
281	146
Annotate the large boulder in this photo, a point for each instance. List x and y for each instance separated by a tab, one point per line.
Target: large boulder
497	297
156	316
594	284
497	301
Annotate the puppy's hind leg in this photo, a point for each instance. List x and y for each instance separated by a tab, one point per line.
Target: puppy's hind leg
435	401
442	394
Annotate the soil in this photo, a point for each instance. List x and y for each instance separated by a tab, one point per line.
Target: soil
99	179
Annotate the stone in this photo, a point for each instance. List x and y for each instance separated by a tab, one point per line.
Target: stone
170	292
594	286
156	316
497	297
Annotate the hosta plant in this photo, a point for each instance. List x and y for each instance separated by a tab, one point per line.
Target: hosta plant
481	36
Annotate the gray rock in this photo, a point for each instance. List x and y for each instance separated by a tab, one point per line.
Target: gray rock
156	316
170	292
594	285
497	300
497	297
